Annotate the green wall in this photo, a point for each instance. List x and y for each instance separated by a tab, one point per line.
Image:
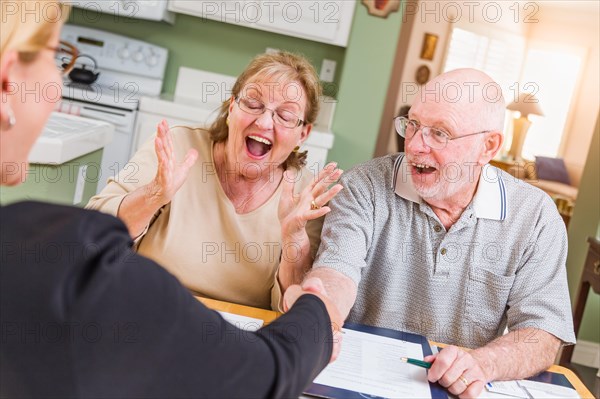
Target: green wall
363	88
57	183
584	224
210	45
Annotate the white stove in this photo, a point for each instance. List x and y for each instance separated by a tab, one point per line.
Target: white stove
116	97
128	68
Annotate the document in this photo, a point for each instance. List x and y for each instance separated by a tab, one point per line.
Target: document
538	390
370	364
242	322
527	390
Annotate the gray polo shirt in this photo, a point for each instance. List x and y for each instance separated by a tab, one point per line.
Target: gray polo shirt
502	264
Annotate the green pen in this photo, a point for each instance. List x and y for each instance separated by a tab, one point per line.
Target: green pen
416	362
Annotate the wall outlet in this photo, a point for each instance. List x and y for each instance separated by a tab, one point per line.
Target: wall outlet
327	70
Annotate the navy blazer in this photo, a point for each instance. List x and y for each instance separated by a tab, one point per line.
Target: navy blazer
82	315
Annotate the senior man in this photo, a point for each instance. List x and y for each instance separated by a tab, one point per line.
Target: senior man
436	241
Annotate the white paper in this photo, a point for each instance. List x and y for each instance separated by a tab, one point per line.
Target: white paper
544	390
527	389
242	322
507	388
371	364
491	395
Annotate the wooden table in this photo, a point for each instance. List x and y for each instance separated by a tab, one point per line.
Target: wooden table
268	316
265	315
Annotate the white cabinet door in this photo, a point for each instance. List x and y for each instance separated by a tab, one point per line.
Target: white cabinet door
315	19
154	10
232	12
326	21
145	127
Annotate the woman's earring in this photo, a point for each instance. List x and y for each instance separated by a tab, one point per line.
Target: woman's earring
11	119
227	121
296	148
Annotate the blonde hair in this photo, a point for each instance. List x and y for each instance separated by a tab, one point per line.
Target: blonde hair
27	26
283	67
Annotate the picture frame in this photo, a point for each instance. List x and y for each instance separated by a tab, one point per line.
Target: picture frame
422	75
429	44
381	8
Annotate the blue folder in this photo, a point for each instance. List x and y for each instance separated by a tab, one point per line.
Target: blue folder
552	378
324	391
437	391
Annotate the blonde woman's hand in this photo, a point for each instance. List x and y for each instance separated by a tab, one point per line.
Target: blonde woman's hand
170	174
296	210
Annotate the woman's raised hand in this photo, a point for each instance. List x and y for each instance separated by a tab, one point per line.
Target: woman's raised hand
295	211
170	174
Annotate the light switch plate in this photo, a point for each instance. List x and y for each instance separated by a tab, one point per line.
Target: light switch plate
327	70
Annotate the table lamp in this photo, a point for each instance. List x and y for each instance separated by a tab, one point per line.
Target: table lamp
526	104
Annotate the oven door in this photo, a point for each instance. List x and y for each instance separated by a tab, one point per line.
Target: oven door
116	153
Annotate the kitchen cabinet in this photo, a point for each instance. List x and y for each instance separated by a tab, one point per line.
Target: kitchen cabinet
142	9
321	21
146	125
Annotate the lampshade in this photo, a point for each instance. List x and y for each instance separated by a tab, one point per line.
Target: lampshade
526	104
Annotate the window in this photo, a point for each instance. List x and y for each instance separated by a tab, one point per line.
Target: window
554	74
552	71
495	52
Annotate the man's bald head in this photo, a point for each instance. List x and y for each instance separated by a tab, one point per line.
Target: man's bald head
470	92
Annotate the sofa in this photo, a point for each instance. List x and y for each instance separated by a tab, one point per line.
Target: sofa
557	178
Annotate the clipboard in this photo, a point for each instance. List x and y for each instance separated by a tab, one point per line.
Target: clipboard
324	391
550	377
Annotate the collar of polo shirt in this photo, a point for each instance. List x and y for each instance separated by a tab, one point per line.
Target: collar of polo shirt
489	201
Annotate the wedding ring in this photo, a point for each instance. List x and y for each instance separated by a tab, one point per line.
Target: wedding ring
314	206
464	380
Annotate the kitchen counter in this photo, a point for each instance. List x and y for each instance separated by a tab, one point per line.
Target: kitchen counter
64	162
66	137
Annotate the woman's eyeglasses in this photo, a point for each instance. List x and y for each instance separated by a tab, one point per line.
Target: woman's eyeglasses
65	54
281	117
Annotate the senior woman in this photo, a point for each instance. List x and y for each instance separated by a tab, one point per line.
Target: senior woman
239	207
81	314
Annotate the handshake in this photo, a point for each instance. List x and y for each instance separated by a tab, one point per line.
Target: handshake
314	286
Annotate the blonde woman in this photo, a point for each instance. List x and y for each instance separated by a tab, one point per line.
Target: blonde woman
84	316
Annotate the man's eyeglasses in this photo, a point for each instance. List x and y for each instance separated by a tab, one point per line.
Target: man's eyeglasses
433	137
65	54
281	117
